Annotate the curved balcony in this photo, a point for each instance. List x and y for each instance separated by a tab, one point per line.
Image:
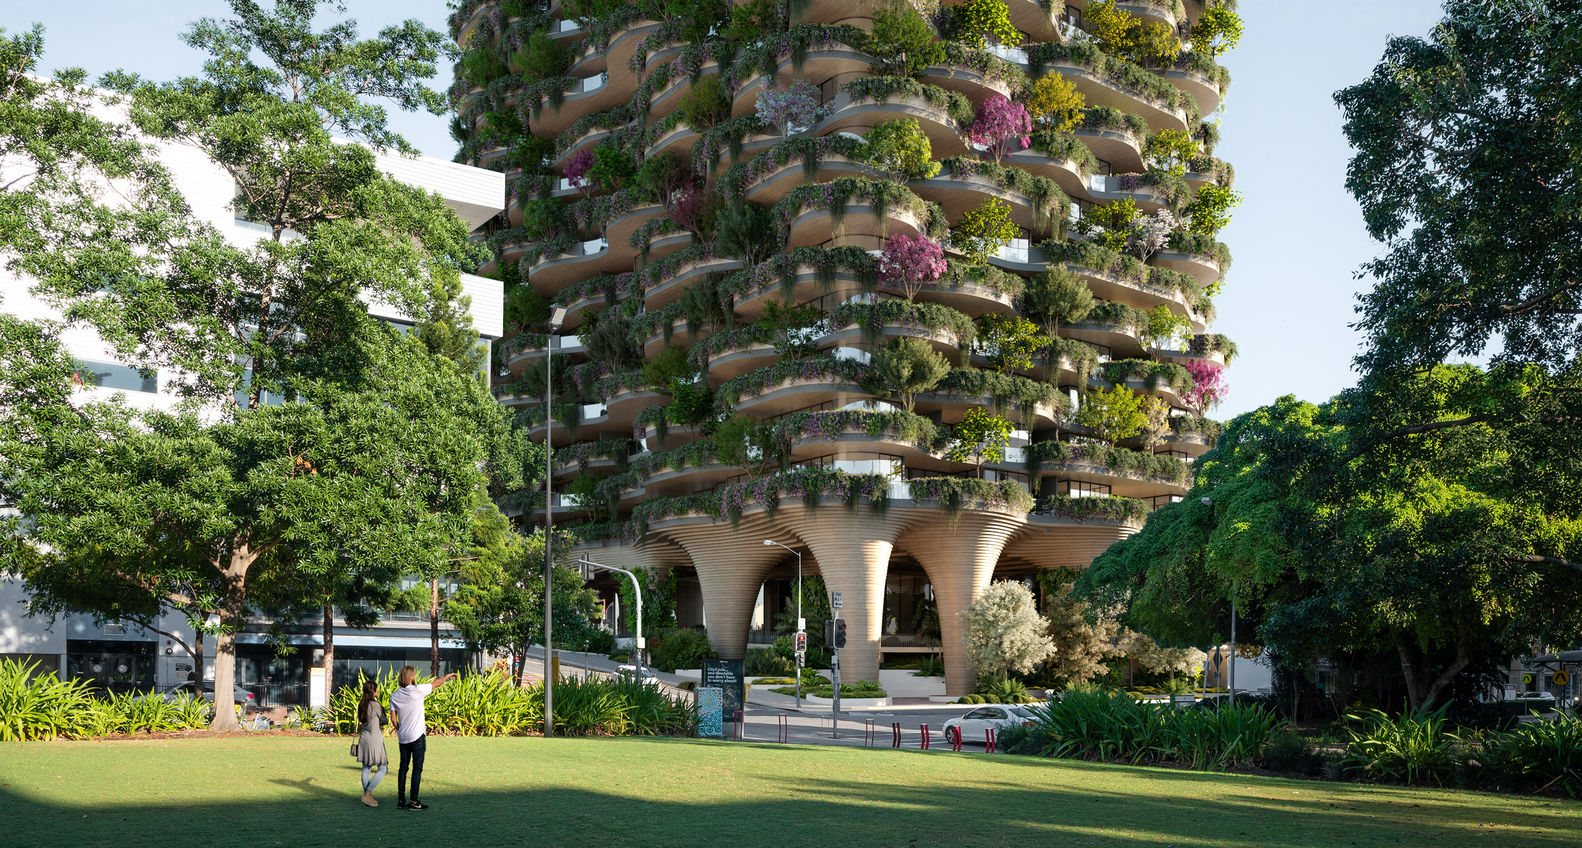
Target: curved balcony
774	185
726	364
817	65
1201	268
677	142
1138	294
622	408
795	393
581	260
1192	444
674	436
1122	150
586	140
814	226
669	291
1160	389
1118	338
1098	90
1064	170
560	345
658	343
561	29
855	337
935	121
974	84
953	407
1063	373
1203	87
958	194
1120	483
668	99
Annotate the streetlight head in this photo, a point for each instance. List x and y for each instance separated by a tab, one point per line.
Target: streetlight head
557	316
1208	501
768	542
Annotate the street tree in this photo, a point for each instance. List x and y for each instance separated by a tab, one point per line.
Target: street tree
1002	631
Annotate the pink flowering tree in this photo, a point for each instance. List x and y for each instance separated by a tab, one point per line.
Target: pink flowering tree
999	123
1208	385
577	170
792	109
910	262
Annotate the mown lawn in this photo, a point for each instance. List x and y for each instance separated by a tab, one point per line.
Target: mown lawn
296	791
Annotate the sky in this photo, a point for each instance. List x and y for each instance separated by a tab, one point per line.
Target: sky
1297	236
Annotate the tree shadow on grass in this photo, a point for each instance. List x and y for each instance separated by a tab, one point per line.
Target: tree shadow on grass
689	793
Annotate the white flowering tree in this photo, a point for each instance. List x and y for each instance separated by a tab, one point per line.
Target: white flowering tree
1002	631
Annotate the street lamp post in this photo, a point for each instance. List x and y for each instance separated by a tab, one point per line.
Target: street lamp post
637	587
556	318
800	624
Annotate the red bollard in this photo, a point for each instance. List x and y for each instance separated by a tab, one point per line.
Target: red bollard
988	741
925	737
895	737
955	738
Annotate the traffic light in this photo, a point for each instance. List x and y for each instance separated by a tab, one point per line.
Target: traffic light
840	633
829	632
801	642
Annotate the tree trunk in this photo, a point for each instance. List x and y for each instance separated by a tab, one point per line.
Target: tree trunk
232	617
1421	692
433	627
329	653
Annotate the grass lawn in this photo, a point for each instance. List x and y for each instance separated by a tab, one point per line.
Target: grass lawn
298	791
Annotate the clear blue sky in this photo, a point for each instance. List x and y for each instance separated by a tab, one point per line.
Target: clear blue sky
1297	237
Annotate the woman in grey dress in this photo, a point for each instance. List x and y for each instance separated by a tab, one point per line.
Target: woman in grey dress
370	740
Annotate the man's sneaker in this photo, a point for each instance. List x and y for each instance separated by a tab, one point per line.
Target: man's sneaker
401	804
416	805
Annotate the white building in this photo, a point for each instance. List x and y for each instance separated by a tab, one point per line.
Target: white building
126	657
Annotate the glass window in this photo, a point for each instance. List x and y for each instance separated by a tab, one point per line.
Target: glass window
111	375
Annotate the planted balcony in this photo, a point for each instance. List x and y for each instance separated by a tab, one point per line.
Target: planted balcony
1118	84
848	206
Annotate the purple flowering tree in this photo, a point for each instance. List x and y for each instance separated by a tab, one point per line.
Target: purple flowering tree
999	123
1208	385
911	262
577	170
792	109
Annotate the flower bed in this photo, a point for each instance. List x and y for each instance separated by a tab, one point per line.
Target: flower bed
958	493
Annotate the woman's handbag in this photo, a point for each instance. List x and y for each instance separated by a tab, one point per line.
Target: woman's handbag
354	749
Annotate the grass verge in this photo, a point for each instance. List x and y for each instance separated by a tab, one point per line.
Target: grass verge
294	791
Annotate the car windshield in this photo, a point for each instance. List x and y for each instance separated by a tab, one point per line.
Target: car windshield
1023	712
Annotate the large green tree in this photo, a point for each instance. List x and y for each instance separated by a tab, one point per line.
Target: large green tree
1430	549
499	606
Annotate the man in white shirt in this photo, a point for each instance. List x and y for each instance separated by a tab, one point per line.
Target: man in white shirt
407	704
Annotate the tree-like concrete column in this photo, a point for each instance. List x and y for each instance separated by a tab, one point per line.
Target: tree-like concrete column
853	551
731	563
959	557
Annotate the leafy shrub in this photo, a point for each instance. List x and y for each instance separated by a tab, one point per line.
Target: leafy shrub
493	705
970	699
681	648
1290	752
1550	753
36	706
1408	749
762	661
932	665
1021	739
1228	735
1009	691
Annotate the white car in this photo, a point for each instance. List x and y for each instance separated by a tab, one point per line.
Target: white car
972	726
629	672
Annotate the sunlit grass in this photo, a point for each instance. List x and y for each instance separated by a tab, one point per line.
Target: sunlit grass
295	791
